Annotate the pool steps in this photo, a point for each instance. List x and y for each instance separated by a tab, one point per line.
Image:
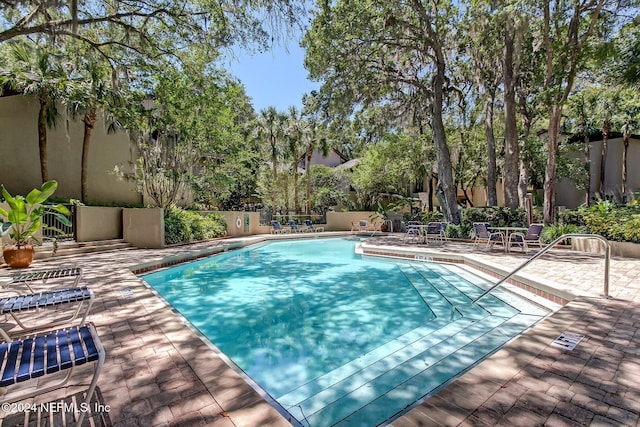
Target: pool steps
418	356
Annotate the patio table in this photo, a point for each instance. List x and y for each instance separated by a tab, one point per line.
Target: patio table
507	232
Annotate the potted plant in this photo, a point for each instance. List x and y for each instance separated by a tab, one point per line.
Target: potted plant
25	216
381	216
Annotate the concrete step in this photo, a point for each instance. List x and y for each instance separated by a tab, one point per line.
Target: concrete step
350	397
75	248
394	400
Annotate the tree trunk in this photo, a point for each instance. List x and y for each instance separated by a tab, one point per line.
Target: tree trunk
307	171
523	164
285	188
549	207
448	193
274	161
430	191
89	123
510	173
606	128
626	136
42	139
492	176
296	195
523	169
587	166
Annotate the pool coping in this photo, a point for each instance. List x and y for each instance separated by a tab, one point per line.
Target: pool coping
256	393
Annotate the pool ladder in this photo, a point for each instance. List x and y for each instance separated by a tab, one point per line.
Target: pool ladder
607	258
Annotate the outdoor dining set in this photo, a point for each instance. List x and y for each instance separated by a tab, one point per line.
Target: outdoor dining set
433	232
484	234
45	333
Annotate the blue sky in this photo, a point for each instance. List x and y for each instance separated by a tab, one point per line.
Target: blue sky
276	77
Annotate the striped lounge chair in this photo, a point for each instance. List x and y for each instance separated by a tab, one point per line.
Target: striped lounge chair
17	305
49	353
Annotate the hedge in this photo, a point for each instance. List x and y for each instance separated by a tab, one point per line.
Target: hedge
182	226
617	223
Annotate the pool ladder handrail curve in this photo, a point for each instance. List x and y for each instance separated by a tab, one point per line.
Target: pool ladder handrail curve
607	258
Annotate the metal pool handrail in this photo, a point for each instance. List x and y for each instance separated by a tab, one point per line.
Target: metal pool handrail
607	257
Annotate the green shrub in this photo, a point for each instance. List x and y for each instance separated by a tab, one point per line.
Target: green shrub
462	231
214	225
182	226
497	216
618	223
571	217
176	226
552	232
432	216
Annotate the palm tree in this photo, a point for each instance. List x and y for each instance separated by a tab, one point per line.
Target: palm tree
85	96
35	72
269	125
315	138
295	128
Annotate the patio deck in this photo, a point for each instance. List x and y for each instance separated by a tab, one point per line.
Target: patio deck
159	373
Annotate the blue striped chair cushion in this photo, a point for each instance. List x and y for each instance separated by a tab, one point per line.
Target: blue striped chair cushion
43	299
46	353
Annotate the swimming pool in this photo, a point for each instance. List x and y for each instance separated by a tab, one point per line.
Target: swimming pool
340	339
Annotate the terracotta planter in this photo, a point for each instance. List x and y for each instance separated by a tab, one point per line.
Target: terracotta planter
18	257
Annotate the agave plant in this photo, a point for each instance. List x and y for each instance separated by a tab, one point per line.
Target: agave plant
25	213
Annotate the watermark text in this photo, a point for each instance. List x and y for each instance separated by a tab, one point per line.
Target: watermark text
55	407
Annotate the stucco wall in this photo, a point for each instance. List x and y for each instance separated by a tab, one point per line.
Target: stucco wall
568	195
618	249
143	228
98	223
341	221
20	161
249	223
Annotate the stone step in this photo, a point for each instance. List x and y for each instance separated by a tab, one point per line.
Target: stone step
392	402
350	395
405	369
75	248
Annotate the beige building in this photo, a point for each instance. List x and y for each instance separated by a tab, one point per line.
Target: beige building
567	193
20	160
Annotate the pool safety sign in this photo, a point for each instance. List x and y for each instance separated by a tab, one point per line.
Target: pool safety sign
567	340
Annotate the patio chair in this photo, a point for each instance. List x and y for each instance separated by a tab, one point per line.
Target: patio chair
363	225
311	227
524	240
435	232
293	226
413	231
29	277
484	235
50	353
4	228
276	228
16	305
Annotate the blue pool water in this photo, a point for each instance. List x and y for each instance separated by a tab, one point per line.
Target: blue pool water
338	339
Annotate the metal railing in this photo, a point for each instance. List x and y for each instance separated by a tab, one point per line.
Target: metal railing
607	258
54	229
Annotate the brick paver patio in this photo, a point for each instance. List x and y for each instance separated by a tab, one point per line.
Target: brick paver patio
160	373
